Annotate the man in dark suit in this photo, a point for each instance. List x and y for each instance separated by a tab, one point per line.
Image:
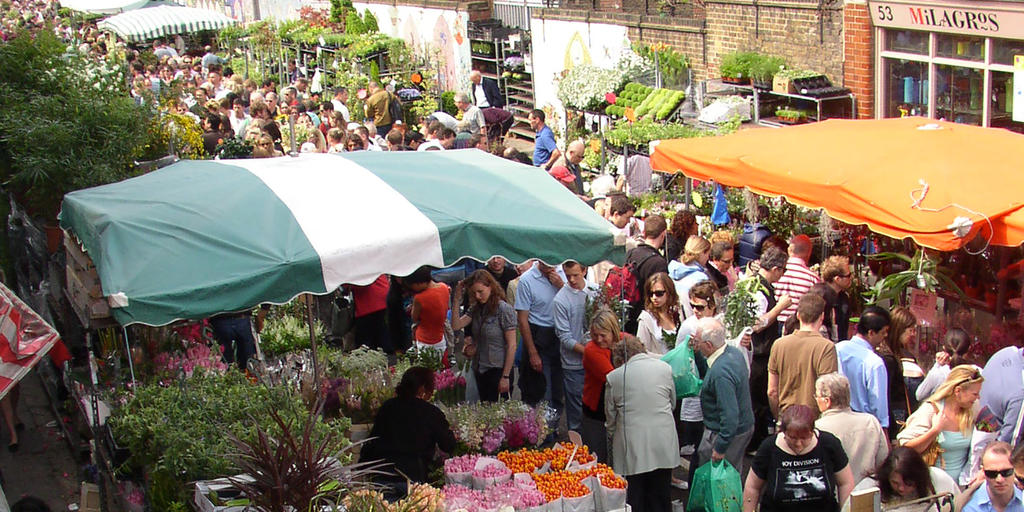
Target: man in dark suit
484	91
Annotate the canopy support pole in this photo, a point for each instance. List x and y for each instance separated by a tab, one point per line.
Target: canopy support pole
312	344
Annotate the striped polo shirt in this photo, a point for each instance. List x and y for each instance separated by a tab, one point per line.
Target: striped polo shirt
795	283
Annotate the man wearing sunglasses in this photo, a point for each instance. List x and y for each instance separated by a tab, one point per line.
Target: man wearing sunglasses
999	492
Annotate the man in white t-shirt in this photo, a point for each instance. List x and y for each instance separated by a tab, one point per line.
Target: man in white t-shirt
340	101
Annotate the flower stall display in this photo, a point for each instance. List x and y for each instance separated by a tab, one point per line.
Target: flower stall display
557	478
287	333
198	357
487	428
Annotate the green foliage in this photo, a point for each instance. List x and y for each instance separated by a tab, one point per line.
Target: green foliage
672	64
374	71
370	23
795	74
360	361
448	102
354	24
923	272
66	122
183	431
644	131
741	305
232	148
337	11
790	113
764	68
737	64
287	333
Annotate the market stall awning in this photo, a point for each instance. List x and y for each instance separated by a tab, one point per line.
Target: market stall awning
163	20
909	177
24	339
103	6
203	237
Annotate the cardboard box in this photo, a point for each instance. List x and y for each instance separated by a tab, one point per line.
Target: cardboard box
783	85
90	499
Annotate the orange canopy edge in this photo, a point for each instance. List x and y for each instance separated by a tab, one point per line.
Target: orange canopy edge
874	172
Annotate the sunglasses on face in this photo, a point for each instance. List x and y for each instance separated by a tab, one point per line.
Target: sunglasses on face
658	293
698	307
991	474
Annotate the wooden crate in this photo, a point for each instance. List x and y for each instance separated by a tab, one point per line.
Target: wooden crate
83	284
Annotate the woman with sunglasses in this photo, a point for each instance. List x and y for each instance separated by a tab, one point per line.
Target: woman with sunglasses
658	322
941	428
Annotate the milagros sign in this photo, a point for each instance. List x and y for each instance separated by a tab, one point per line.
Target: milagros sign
975	18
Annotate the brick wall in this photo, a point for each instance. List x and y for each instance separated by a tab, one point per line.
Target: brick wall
806	36
858	69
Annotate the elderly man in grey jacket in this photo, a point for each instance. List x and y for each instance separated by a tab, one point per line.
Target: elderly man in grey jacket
860	432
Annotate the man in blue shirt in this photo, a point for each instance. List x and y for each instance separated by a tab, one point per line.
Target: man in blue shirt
998	492
545	151
540	369
869	382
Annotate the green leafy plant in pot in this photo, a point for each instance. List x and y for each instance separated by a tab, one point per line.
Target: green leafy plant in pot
735	67
763	70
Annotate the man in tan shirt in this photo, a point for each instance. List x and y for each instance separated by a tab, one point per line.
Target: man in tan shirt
797	360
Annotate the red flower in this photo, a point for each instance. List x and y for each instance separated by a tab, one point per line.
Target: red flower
610	98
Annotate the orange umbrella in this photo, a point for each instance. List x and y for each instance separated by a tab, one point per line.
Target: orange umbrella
939	183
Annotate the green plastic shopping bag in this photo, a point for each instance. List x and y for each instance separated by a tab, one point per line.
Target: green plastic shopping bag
684	369
716	488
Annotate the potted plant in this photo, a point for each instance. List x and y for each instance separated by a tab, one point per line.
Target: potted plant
735	67
763	70
788	115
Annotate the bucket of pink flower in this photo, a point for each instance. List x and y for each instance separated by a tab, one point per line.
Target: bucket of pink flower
449	386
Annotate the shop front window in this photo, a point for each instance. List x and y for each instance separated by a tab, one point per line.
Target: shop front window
961	47
1001	106
1003	51
958	94
906	41
907	88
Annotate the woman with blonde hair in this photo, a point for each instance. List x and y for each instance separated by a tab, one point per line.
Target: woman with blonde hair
597	362
659	320
941	428
689	270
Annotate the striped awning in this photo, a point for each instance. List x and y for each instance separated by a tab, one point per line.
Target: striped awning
161	21
103	6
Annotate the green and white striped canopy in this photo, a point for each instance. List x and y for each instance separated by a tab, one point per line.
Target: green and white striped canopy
203	237
163	20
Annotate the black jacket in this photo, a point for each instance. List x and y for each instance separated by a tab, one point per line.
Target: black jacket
406	433
491	91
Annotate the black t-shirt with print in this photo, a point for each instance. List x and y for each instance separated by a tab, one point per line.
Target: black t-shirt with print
797	483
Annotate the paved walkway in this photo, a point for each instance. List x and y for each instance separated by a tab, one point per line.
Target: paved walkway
43	465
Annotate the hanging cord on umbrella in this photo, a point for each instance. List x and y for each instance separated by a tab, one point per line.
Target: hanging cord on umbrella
961	226
128	350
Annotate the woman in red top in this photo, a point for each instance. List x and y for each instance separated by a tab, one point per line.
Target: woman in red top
429	310
597	362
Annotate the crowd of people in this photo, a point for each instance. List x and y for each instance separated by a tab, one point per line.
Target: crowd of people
815	407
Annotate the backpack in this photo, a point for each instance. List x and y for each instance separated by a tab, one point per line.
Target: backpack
622	281
395	110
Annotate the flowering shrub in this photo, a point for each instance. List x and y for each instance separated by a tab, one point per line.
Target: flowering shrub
490	427
196	357
449	386
584	87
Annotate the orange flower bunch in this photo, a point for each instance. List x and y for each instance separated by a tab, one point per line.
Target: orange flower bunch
605	474
560	484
